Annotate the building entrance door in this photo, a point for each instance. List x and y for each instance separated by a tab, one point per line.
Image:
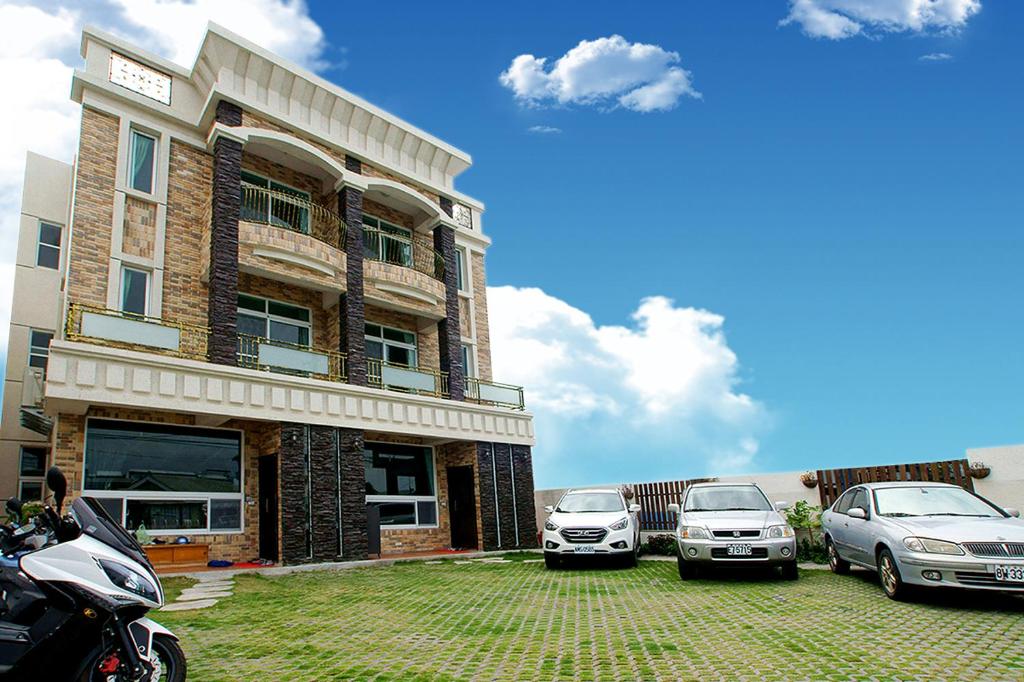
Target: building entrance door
462	507
268	507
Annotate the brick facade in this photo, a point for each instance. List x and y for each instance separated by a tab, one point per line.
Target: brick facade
483	333
189	178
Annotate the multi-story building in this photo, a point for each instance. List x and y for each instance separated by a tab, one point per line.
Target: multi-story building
268	314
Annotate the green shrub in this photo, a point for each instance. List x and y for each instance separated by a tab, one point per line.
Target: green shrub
803	515
811	551
663	545
30	510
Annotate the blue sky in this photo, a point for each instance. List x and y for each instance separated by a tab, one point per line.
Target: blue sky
833	226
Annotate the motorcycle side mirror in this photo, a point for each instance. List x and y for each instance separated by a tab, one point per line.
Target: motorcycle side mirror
58	485
14	506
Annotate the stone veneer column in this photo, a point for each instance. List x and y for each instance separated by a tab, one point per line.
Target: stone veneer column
295	464
353	494
449	334
222	308
352	309
506	496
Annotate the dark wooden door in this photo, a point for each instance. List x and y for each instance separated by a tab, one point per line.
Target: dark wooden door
462	507
268	507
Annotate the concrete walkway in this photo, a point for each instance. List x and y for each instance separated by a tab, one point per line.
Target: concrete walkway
210	589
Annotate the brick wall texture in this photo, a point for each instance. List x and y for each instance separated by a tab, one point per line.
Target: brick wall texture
139	233
189	178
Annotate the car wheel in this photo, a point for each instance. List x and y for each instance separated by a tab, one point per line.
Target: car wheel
836	563
889	576
790	571
687	569
552	561
631	558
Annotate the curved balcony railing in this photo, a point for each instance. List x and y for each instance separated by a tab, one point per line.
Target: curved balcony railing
406	379
292	212
117	329
256	352
388	247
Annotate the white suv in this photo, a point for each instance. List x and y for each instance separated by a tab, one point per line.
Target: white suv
591	522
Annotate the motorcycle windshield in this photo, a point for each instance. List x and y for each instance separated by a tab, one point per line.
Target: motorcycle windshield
97	523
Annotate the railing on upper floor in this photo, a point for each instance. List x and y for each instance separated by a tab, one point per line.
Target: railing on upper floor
397	249
406	379
491	393
292	212
131	331
256	352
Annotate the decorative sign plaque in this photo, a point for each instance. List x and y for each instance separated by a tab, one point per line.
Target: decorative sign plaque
463	216
128	73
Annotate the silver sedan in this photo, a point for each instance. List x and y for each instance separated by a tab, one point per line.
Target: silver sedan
925	534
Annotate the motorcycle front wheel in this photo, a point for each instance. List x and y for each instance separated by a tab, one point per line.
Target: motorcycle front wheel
170	663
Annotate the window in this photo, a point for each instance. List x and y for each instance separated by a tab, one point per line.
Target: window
394	346
400	483
274	320
39	348
859	499
134	291
468	366
141	162
460	269
48	250
274	209
32	467
170	478
386	242
843	504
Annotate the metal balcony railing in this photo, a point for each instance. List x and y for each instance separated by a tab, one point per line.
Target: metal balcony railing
491	393
388	247
292	212
256	352
119	329
406	379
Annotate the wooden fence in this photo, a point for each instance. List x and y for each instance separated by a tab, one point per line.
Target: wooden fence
834	482
654	499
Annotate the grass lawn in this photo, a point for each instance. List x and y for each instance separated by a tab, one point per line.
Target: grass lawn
518	621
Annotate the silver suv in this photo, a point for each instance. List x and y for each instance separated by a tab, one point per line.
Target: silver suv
732	523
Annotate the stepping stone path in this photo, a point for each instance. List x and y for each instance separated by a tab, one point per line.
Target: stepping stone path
203	594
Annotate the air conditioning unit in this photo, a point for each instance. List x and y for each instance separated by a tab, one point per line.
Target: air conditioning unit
32	387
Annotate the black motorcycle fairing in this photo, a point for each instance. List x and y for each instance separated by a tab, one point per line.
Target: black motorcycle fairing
97	523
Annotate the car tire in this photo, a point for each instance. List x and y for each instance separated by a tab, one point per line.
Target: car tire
687	569
552	561
631	559
836	563
790	571
889	576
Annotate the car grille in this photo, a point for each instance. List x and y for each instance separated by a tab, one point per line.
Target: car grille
996	549
584	535
735	534
723	553
985	580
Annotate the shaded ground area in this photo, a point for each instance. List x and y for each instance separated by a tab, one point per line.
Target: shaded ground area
515	620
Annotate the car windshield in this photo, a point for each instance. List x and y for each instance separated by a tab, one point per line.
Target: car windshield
590	502
726	498
931	501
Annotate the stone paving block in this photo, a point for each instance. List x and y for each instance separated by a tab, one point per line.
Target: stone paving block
189	605
203	594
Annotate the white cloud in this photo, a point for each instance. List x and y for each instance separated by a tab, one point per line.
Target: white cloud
657	398
544	130
935	57
636	76
39	49
839	19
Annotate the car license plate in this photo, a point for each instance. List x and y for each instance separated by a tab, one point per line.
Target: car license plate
1010	574
738	550
583	549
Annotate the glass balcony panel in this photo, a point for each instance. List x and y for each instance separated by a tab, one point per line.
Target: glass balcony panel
112	327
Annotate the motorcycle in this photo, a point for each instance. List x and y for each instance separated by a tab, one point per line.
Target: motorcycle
74	591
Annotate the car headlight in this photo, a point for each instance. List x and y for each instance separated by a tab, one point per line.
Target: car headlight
129	580
548	525
931	546
621	524
781	531
693	533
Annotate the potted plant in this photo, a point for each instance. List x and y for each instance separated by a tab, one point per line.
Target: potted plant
980	470
809	479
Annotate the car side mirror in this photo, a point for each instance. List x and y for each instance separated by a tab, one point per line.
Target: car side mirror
634	508
857	513
58	485
674	508
548	509
782	505
1012	511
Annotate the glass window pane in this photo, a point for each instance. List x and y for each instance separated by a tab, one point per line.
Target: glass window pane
370	221
397	513
141	162
37	361
49	234
113	506
253	179
400	336
225	515
166	515
289	333
372	330
31	491
122	455
40	340
258	305
401	356
375	350
33	461
459	277
290	311
398	470
427	512
133	291
48	257
252	325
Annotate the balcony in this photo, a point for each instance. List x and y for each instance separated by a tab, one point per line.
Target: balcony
406	379
498	395
256	352
387	247
130	331
264	206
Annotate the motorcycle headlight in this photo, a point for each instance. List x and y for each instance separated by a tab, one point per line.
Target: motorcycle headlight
781	531
549	525
693	533
931	546
129	580
621	524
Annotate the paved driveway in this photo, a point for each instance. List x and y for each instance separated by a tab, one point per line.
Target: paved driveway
515	620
